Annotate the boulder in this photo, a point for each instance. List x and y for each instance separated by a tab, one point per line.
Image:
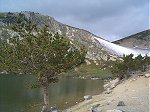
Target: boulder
113	86
147	75
88	97
121	103
108	91
95	106
96	109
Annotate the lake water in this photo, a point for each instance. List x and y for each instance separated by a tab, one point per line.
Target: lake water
16	96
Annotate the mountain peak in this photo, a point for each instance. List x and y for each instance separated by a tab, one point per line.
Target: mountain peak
139	40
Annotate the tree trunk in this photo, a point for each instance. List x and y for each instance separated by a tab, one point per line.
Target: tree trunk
45	95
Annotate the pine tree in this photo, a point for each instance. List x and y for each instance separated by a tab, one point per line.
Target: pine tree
128	61
139	62
123	67
119	69
146	61
40	53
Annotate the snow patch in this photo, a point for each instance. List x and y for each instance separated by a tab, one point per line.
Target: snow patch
120	51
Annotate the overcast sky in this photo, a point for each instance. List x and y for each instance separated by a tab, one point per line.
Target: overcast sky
109	19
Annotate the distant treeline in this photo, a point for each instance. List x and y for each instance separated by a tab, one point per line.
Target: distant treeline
123	68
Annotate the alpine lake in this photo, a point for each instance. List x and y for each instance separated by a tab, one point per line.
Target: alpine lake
16	94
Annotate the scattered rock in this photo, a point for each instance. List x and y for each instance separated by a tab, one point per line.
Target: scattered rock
82	77
94	106
95	78
115	110
134	79
121	103
115	82
108	103
112	84
4	72
106	86
94	109
88	97
54	109
87	62
147	75
101	105
108	91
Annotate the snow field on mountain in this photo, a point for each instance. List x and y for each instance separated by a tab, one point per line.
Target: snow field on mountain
120	51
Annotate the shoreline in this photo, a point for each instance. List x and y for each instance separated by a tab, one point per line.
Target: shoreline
134	92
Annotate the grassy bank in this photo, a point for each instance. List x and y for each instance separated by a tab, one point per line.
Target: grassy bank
91	70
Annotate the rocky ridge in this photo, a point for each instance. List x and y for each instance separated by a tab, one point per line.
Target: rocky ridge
95	51
140	40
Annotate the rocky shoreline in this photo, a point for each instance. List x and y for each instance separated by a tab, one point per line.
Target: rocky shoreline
130	95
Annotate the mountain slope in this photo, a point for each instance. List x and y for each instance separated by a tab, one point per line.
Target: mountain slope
77	36
98	49
139	40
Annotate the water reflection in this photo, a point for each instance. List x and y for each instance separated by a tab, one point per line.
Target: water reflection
16	97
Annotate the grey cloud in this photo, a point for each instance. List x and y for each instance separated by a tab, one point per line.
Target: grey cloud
111	19
116	25
91	10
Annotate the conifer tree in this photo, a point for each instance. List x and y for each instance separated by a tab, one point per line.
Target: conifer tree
40	53
146	61
139	62
123	67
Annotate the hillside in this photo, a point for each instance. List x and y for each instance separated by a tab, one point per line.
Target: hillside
99	50
77	36
139	40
